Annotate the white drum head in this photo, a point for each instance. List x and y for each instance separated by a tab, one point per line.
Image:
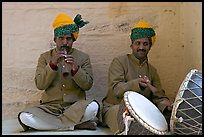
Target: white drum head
146	112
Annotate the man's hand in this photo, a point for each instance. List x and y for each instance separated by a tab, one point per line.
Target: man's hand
142	82
57	57
69	60
167	103
145	82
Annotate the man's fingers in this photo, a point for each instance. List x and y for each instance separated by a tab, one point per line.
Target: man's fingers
143	84
145	79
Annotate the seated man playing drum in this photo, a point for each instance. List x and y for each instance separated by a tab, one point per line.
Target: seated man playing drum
133	72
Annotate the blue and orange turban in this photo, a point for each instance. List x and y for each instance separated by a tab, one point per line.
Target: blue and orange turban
143	30
63	25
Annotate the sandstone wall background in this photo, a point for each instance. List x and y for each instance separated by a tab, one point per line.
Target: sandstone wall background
27	32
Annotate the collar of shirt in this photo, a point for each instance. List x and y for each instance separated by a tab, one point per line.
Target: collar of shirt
138	61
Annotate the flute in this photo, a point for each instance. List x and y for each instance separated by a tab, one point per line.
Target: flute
66	69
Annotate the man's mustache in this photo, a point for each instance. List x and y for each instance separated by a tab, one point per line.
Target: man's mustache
141	50
67	48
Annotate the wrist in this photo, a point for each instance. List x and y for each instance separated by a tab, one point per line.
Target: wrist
53	66
74	70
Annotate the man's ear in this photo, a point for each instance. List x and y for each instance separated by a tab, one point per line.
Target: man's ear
72	35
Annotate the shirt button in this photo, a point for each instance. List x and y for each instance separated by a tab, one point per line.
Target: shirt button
65	94
63	85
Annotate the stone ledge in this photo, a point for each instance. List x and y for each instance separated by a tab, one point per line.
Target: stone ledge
12	127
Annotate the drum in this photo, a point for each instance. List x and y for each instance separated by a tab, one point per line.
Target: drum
144	117
186	116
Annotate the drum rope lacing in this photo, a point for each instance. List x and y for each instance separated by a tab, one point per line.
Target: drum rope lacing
179	99
127	120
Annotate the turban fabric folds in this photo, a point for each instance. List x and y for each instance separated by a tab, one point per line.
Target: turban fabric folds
63	25
143	30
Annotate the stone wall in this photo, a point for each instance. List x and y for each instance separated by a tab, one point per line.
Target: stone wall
27	32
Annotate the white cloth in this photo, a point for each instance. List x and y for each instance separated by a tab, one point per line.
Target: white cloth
35	122
32	121
90	112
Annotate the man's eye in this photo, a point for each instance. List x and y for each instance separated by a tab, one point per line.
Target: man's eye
138	43
145	43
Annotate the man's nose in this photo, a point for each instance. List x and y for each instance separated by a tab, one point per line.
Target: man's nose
65	41
141	46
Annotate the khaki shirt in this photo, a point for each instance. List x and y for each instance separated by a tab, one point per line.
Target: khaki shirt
59	89
122	77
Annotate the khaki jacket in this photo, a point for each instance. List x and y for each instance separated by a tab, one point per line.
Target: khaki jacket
59	89
122	77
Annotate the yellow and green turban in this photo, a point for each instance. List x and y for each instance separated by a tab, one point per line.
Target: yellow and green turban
63	25
143	30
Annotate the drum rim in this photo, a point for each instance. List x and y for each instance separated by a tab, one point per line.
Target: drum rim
179	99
147	126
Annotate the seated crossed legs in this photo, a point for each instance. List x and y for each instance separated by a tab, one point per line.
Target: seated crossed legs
54	118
